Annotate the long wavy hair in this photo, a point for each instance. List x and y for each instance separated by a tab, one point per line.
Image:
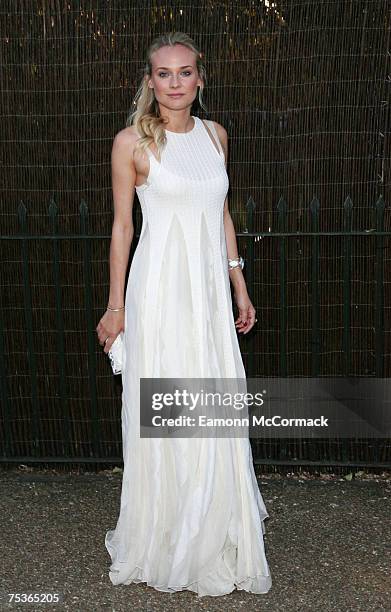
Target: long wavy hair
147	119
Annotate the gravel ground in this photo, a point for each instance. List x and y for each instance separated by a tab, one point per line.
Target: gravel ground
327	543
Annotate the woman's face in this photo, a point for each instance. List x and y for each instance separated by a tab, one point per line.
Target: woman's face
174	72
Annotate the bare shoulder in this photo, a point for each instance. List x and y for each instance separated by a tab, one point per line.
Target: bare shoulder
221	132
125	139
223	137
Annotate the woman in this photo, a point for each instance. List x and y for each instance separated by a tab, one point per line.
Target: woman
191	514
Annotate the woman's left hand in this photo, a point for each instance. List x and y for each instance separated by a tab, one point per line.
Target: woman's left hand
246	318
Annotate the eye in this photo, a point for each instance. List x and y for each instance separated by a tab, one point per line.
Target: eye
186	72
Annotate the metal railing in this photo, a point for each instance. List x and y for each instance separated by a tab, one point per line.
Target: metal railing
34	441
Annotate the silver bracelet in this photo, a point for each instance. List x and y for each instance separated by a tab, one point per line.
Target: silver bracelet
236	263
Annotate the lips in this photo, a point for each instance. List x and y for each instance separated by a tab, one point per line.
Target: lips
176	95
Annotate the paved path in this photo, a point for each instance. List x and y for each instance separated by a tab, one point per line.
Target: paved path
327	543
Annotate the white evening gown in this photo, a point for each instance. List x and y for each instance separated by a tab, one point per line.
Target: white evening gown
191	513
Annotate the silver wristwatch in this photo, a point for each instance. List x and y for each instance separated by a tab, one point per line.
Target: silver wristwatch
235	263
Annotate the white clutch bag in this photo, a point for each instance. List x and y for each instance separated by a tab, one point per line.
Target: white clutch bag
115	354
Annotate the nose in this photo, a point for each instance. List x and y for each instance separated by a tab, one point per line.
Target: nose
174	81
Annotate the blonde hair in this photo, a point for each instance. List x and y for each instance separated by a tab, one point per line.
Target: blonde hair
146	117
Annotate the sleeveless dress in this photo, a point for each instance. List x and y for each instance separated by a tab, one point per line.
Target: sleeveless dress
191	513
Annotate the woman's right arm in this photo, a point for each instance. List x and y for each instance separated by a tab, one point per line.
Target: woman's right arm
123	175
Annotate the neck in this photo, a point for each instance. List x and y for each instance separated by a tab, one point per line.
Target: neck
180	124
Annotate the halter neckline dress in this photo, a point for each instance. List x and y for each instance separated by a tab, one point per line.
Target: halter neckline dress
191	513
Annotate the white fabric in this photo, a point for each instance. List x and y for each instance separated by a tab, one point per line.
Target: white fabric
191	513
